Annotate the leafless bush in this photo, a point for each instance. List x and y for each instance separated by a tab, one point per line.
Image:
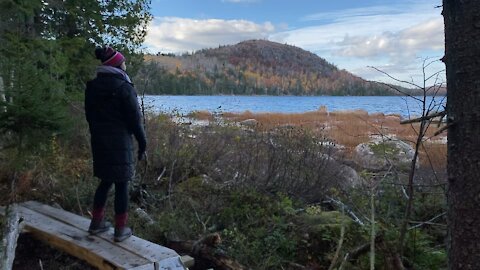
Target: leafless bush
290	160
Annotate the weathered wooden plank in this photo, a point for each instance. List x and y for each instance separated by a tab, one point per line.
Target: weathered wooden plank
139	246
171	263
145	267
188	261
96	251
13	227
58	214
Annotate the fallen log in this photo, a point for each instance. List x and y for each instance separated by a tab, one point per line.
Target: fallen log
206	253
13	227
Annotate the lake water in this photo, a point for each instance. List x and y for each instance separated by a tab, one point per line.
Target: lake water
288	104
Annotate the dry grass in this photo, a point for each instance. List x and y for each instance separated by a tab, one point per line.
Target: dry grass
434	156
201	115
348	128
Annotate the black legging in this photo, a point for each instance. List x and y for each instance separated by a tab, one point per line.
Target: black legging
121	196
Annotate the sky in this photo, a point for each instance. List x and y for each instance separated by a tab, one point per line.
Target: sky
398	37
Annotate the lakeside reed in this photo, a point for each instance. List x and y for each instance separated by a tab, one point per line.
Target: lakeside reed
349	129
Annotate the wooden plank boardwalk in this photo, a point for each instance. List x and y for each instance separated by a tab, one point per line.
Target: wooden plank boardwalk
68	232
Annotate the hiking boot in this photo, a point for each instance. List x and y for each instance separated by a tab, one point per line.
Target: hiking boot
97	227
122	233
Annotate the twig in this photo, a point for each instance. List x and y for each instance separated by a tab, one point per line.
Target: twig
425	122
429	222
350	212
340	243
78	200
162	173
401	81
358	251
294	265
345	258
170	184
410	188
204	224
442	129
404	191
418	185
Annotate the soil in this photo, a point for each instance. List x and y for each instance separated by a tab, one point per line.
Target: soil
32	254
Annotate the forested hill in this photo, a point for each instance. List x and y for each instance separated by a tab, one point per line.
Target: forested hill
254	67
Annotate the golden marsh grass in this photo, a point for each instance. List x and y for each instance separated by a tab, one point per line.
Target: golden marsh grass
350	128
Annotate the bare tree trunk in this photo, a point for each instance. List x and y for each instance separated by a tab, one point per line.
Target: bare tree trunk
462	59
3	98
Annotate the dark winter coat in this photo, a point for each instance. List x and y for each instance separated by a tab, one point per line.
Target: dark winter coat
113	115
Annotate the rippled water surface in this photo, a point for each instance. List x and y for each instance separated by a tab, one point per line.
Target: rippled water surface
288	104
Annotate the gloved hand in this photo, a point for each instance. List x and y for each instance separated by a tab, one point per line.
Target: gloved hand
141	155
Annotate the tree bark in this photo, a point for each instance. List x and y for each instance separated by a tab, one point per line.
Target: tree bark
462	59
206	253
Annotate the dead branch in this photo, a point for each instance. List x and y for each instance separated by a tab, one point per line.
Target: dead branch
170	184
339	246
206	252
360	250
442	129
293	265
397	80
203	223
424	118
13	228
344	206
428	222
161	174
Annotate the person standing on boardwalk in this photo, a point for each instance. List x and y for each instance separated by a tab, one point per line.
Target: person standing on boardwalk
113	115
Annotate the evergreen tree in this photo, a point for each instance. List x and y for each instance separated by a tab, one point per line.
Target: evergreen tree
46	56
31	69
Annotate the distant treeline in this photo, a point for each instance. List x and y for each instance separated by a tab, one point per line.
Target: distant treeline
255	67
160	80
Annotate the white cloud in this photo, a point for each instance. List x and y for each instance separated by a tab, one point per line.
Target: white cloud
427	35
172	34
392	38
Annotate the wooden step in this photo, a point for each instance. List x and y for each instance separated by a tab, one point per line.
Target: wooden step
68	232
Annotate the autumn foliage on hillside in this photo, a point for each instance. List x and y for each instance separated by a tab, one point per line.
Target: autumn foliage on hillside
254	67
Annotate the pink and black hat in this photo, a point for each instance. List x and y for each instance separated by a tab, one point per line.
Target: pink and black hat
109	56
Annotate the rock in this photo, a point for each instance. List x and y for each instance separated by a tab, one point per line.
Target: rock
144	216
249	122
346	176
378	154
350	176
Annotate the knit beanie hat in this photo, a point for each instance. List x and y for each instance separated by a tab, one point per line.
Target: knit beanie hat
109	56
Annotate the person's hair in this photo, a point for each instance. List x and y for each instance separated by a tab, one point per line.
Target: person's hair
100	53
